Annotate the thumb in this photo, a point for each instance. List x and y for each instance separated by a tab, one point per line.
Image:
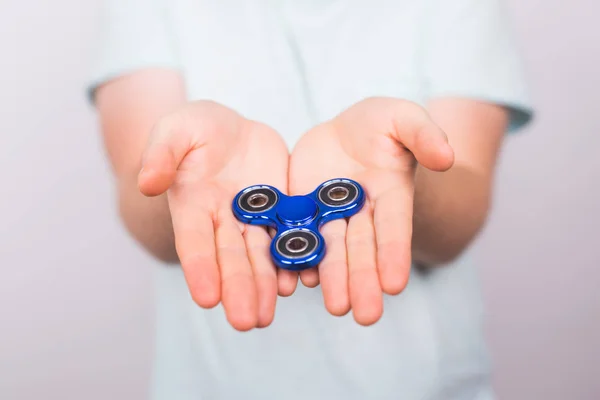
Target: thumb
415	130
405	122
159	167
168	145
174	136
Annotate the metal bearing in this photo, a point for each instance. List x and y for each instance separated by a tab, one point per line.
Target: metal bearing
338	193
258	200
297	243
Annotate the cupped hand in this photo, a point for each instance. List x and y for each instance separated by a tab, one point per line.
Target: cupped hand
201	156
377	142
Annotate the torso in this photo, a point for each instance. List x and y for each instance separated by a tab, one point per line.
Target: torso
429	341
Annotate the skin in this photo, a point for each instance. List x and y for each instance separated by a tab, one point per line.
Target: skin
426	199
428	175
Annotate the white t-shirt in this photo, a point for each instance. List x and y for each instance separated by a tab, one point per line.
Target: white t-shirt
292	64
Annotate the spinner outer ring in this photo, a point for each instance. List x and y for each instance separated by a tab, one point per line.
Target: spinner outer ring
307	234
352	188
267	191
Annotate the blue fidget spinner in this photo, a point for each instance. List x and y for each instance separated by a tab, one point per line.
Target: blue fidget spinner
298	244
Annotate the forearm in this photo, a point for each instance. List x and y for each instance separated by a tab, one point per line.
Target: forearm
129	108
450	209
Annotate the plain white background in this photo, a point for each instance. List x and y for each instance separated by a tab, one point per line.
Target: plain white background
76	291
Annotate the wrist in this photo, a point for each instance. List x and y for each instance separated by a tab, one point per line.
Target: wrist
147	220
450	209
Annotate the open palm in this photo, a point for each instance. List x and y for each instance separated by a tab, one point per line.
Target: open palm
376	142
202	155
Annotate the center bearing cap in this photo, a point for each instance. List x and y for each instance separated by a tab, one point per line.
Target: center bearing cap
296	210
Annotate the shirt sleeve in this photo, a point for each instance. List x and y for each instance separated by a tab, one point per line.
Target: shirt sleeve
133	35
470	51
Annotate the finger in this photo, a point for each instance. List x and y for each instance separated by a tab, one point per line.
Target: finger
239	295
393	226
195	245
366	296
265	275
333	270
287	281
168	146
310	277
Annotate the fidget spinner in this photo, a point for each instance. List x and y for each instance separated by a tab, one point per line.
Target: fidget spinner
298	245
